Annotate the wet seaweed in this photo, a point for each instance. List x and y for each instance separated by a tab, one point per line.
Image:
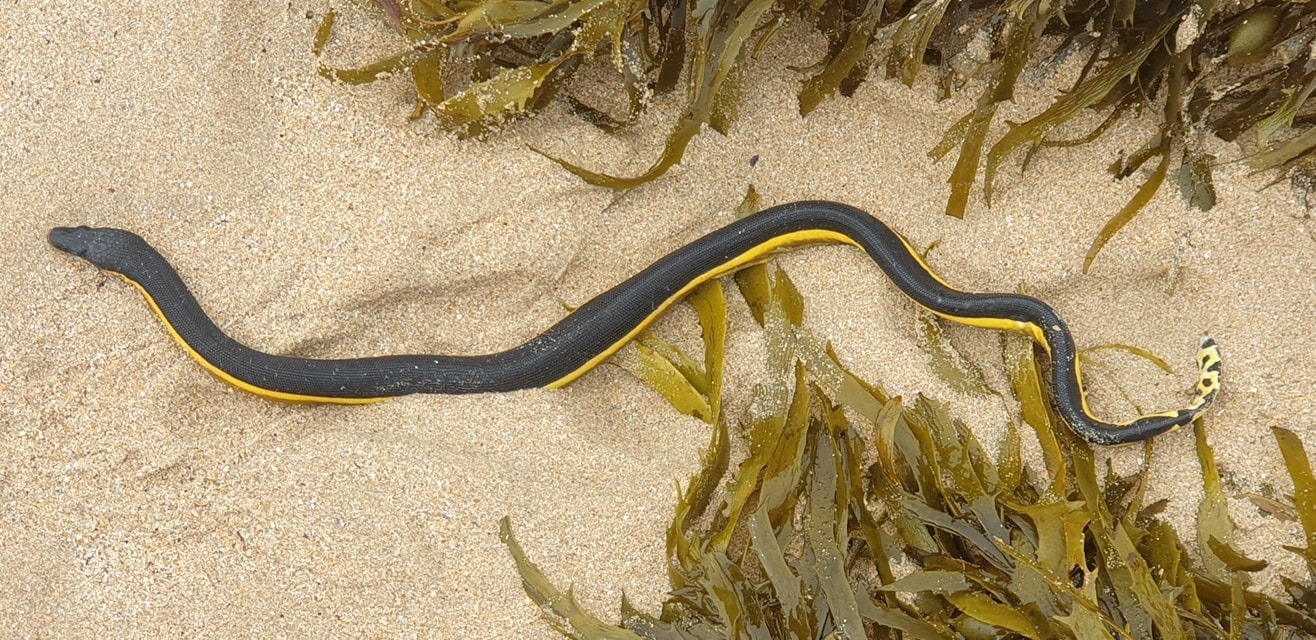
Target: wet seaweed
957	372
856	514
1201	67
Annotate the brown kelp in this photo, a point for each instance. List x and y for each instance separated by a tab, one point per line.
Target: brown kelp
1240	71
855	514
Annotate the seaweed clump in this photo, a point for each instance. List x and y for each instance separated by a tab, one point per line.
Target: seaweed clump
1228	69
899	525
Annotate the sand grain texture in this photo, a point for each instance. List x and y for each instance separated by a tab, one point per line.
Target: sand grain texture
141	496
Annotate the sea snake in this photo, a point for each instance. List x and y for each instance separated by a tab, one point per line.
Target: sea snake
598	328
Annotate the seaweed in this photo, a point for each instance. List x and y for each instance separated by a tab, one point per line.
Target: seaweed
1304	491
521	50
855	514
1212	67
1206	67
953	369
712	96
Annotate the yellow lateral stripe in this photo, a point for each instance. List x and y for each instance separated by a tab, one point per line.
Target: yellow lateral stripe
759	252
222	375
1208	382
755	253
921	262
998	324
1082	391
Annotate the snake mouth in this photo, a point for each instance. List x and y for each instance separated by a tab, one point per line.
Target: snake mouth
72	240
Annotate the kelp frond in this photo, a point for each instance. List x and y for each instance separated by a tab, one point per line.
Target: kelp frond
1206	67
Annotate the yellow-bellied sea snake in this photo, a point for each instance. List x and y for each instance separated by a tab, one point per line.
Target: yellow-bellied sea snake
600	327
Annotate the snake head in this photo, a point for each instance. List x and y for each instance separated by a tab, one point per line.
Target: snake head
105	247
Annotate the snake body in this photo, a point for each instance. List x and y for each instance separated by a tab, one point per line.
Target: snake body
600	327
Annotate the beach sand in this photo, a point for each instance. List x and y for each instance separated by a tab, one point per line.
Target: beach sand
142	496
